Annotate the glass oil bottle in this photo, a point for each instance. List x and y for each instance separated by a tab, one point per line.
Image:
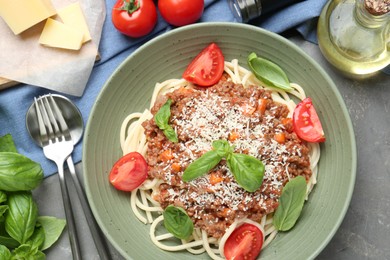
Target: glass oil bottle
353	35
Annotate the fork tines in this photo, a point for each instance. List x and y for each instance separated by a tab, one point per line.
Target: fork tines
52	125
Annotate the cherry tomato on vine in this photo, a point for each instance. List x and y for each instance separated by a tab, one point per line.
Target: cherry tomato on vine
306	123
134	18
207	67
181	12
129	172
245	242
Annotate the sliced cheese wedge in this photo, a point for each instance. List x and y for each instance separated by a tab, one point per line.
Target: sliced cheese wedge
59	35
72	15
23	14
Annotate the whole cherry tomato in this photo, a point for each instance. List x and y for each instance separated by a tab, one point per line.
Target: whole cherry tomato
207	67
134	18
306	123
129	172
181	12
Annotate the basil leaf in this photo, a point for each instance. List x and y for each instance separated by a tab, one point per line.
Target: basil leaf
222	147
5	254
7	144
8	242
290	204
162	121
201	166
53	228
27	252
247	170
177	222
163	114
3	209
38	237
21	217
3	196
268	72
18	172
170	133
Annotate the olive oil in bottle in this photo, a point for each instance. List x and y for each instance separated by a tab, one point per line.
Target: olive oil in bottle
354	36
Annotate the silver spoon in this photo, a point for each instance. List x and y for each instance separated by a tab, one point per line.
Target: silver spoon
75	124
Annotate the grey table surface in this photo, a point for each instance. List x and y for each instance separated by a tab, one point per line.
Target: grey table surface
365	231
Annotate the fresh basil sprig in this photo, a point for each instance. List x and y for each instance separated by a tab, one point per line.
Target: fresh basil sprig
290	204
23	234
162	121
177	222
268	72
247	170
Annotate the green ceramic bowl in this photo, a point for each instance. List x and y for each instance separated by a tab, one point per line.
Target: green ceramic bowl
129	90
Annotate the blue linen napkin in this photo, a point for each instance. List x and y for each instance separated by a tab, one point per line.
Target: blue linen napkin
114	48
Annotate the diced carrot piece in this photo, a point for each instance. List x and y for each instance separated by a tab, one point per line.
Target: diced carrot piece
280	138
225	212
176	167
215	178
248	109
286	121
233	136
262	105
166	155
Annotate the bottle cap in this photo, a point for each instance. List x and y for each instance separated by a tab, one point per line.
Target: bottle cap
245	10
377	7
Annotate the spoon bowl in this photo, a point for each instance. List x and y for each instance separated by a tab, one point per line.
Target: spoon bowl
70	112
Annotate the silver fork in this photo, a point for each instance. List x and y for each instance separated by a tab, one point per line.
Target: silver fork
55	116
57	148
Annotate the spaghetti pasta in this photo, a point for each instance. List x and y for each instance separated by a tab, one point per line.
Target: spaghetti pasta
147	210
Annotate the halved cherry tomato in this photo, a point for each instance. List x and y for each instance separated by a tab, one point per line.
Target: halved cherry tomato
129	172
306	123
134	18
181	12
245	242
207	68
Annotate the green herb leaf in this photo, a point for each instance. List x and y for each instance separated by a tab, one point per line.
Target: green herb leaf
170	133
3	196
38	237
163	114
247	170
3	209
18	172
5	254
290	204
21	217
162	121
268	72
201	166
7	144
177	222
8	241
222	147
53	228
27	252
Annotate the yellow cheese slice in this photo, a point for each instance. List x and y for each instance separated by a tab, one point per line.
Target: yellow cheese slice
23	14
59	35
72	15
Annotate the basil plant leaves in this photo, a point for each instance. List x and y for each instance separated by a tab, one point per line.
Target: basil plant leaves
247	170
23	233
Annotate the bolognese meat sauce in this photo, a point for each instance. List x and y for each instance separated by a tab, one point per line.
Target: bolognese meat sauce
253	123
